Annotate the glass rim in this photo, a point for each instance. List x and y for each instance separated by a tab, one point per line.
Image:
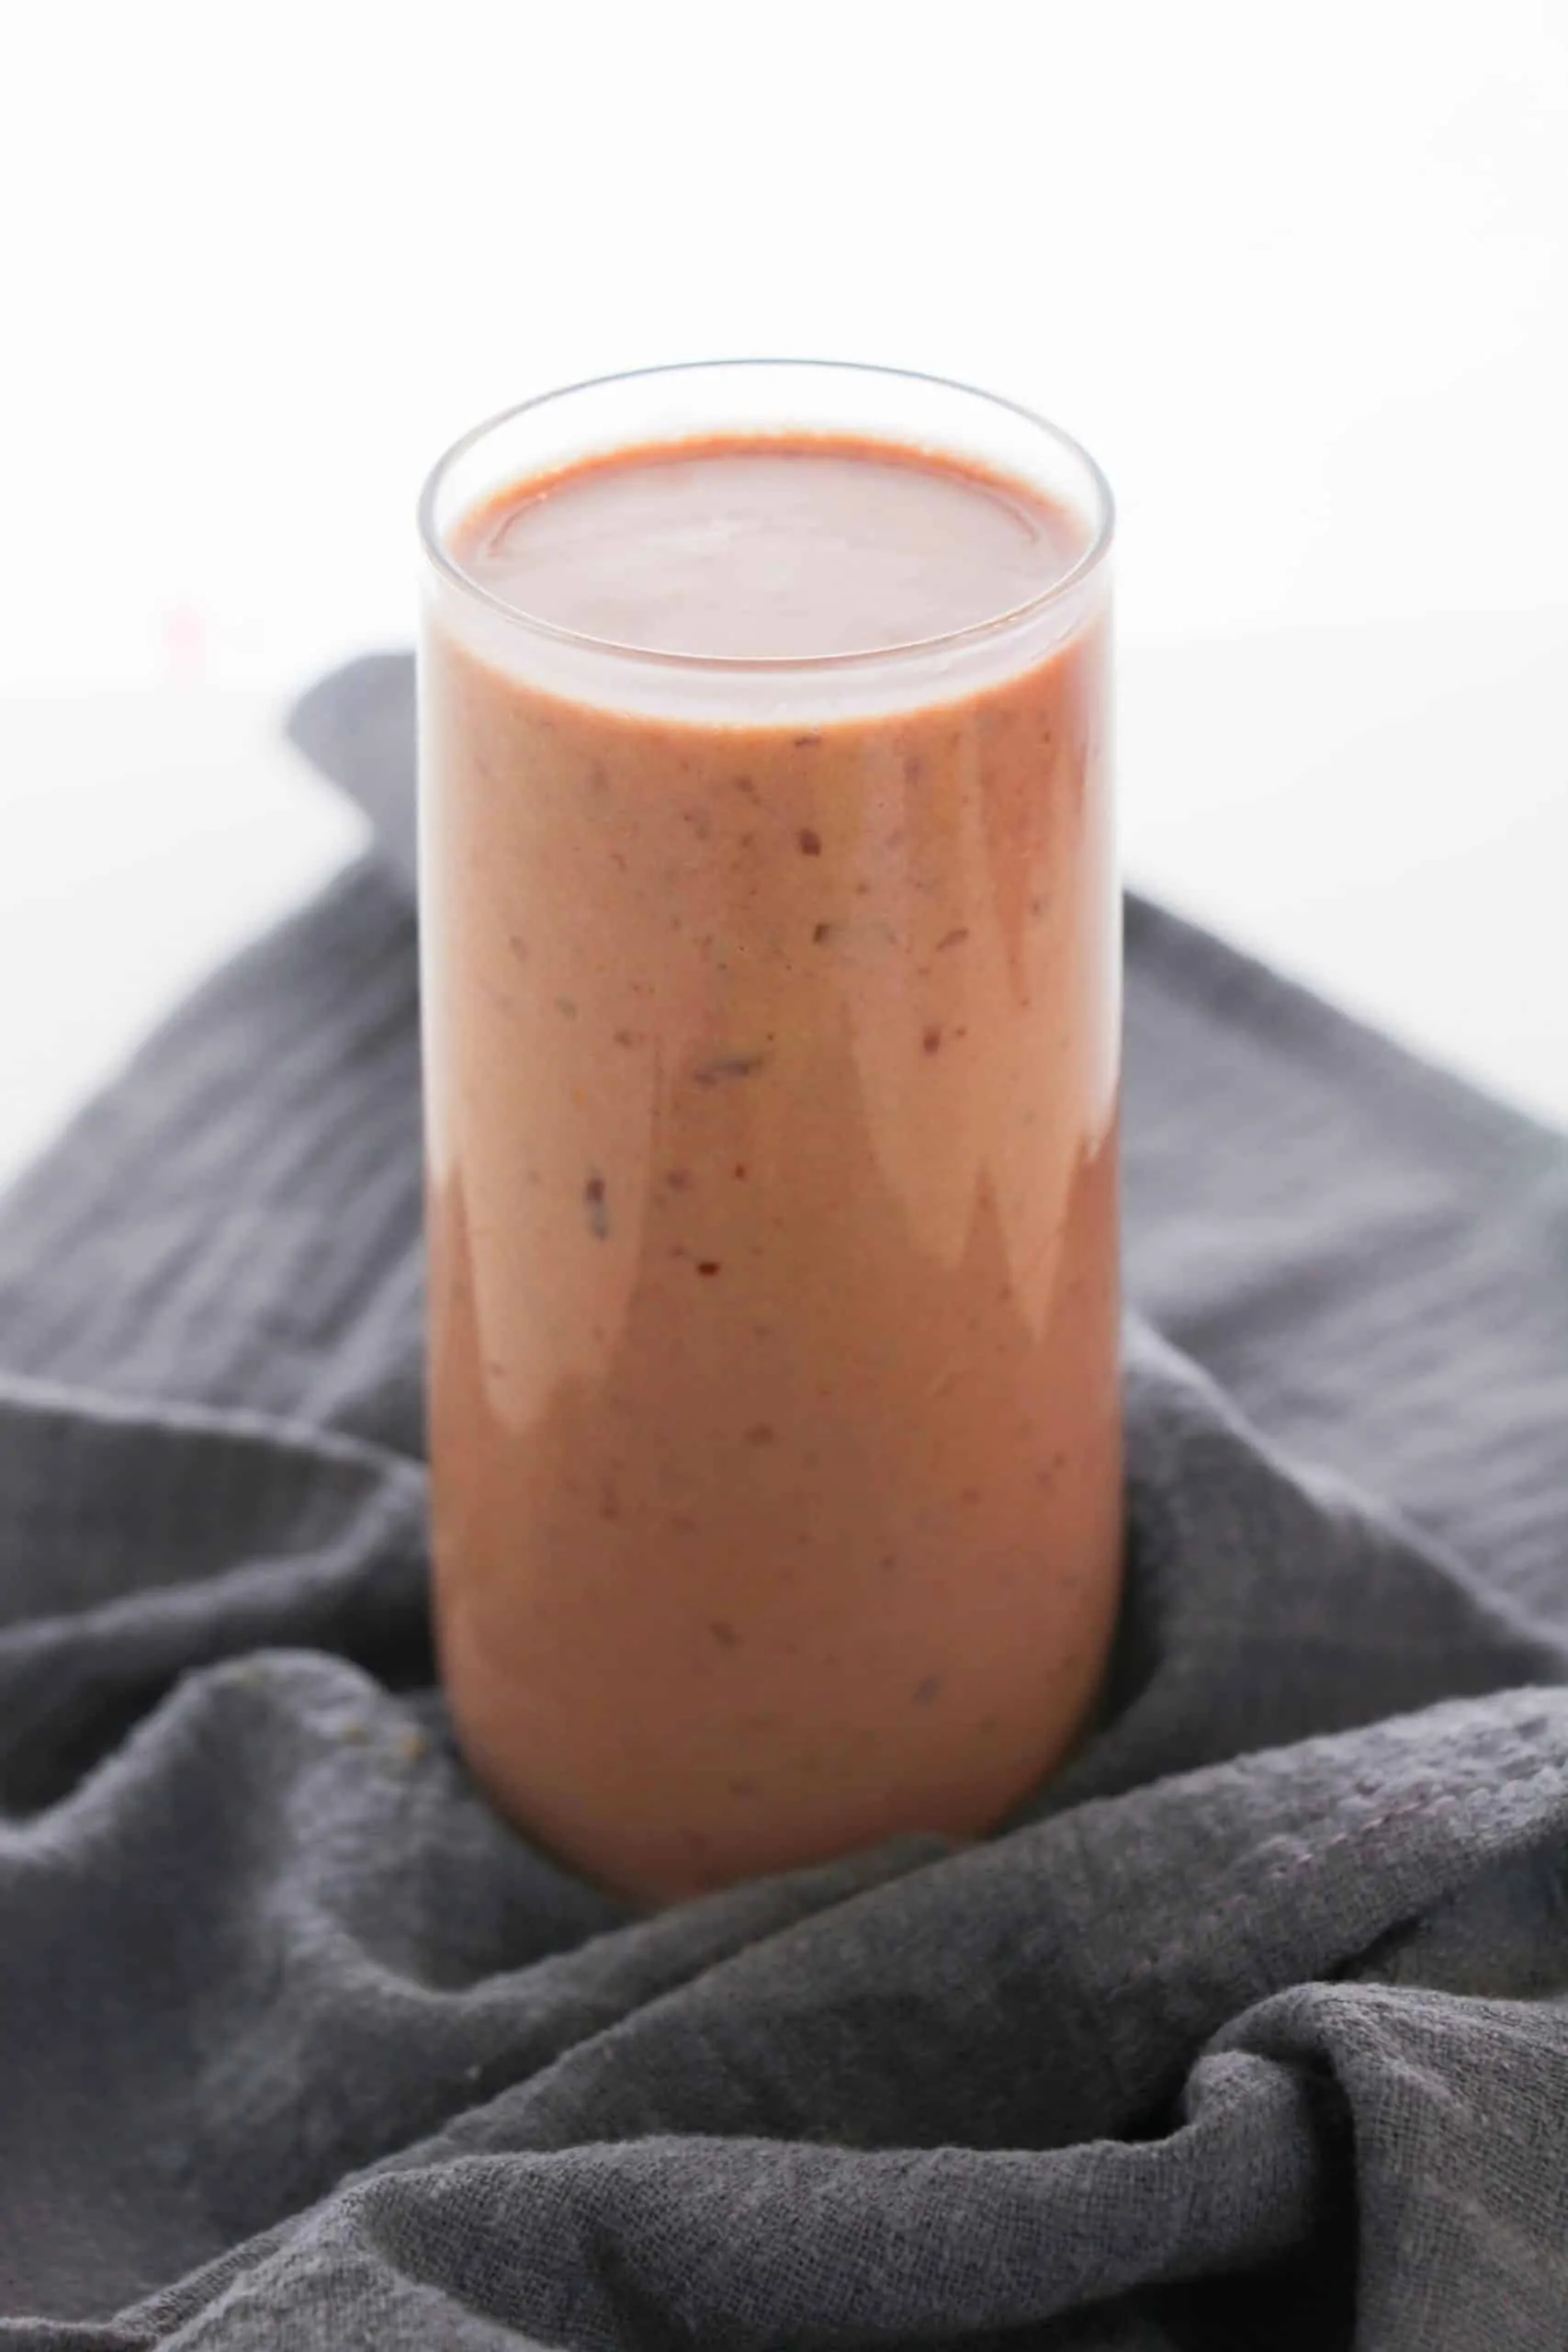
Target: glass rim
1102	523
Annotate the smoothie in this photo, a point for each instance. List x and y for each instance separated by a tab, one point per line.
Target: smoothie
772	1052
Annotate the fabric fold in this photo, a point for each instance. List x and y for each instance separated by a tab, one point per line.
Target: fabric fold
1248	2029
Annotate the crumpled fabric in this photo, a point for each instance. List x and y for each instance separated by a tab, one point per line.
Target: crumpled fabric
1250	2031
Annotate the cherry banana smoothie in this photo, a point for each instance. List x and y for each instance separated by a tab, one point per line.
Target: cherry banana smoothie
771	963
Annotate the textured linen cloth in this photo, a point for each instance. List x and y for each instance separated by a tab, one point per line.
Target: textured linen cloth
1251	2032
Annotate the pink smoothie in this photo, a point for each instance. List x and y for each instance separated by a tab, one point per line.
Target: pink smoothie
772	1074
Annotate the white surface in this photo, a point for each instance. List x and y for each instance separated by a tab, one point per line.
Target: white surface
1381	811
1298	276
144	835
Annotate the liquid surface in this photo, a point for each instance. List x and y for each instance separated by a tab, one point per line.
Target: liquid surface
768	551
771	1083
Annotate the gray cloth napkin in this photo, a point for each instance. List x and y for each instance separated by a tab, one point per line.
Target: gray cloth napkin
1251	2033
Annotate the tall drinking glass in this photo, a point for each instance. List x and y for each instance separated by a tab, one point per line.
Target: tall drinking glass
771	961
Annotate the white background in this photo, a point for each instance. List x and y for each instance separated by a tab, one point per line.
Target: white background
1297	275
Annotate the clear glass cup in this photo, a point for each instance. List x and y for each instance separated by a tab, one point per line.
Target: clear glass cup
771	1027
